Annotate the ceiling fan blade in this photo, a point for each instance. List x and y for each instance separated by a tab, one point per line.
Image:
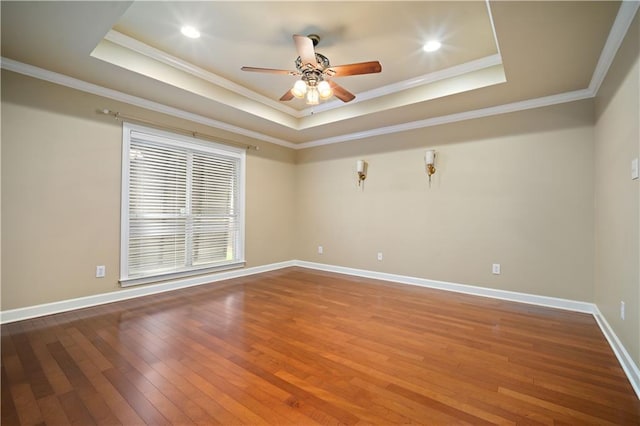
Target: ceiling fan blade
341	93
287	96
268	70
304	46
354	69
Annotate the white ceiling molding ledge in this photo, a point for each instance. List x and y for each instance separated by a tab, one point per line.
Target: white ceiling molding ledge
135	55
422	80
94	89
624	18
453	118
462	83
169	74
160	56
493	28
455	71
73	83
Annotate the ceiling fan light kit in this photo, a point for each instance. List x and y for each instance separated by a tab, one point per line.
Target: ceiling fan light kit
315	71
325	90
313	98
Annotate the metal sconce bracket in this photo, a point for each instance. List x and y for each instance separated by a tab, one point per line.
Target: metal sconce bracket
430	159
361	168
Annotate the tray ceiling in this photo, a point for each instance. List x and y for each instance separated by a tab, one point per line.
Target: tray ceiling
493	54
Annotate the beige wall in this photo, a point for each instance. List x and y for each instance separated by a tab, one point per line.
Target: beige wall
515	189
617	217
61	167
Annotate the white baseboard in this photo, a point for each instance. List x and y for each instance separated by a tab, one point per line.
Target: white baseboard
19	314
627	363
553	302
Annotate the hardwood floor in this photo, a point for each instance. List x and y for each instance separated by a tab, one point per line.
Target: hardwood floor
302	347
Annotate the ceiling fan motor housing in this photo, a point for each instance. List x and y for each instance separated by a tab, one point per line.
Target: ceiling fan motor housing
315	38
322	63
310	73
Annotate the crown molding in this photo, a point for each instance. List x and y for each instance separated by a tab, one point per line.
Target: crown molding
453	118
177	63
421	80
623	20
181	65
454	71
619	29
493	27
74	83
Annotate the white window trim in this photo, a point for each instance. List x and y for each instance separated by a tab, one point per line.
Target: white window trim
181	141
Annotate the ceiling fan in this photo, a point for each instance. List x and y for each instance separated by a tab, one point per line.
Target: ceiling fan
315	73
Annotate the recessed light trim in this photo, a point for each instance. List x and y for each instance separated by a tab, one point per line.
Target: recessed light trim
431	46
189	31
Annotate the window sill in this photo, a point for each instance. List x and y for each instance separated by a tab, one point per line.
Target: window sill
130	282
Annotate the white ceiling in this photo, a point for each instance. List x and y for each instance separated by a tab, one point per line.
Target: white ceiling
496	57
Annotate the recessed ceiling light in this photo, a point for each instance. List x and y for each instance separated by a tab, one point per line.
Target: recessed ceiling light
432	46
190	31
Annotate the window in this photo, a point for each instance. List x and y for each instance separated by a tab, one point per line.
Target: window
182	206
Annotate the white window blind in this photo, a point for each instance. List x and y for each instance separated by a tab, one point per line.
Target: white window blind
182	206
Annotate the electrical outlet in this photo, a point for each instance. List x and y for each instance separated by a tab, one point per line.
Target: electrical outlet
101	271
622	311
320	250
379	255
495	269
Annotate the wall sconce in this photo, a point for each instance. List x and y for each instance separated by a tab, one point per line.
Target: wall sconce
430	159
361	168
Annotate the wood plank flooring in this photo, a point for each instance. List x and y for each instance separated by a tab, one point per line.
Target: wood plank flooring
300	347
